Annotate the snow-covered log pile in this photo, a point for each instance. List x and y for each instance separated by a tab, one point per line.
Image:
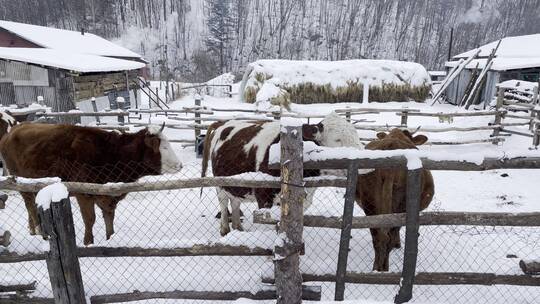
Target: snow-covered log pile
519	90
281	82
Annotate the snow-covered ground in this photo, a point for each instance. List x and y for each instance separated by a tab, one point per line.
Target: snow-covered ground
179	218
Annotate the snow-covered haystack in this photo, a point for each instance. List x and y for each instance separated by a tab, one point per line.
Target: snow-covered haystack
281	82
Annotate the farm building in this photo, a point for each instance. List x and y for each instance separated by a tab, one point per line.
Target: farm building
65	68
516	58
305	82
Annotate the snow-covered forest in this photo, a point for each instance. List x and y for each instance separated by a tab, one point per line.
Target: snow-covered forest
198	39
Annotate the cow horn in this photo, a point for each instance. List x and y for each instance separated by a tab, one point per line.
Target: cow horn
416	130
162	128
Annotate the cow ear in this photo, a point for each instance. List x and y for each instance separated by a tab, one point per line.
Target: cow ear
381	135
419	140
309	132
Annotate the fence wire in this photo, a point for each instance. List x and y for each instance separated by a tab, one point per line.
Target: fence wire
186	217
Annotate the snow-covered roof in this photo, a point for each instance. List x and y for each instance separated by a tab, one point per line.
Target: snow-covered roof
70	41
66	60
514	53
502	64
514	47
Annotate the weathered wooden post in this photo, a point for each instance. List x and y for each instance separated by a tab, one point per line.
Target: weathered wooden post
290	244
62	260
404	118
121	102
498	115
94	108
346	226
198	99
414	190
347	114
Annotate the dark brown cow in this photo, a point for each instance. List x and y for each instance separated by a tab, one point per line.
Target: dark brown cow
383	191
85	154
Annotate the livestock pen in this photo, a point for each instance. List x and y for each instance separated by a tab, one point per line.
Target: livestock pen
168	246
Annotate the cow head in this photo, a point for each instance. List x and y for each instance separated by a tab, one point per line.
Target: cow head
397	139
335	131
158	148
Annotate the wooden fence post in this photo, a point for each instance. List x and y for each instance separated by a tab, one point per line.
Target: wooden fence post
536	128
94	107
498	115
197	115
62	260
347	114
414	190
346	226
288	248
404	118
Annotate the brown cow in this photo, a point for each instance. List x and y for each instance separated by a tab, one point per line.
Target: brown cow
383	191
85	154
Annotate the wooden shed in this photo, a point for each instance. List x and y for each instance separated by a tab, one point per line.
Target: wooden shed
516	58
65	68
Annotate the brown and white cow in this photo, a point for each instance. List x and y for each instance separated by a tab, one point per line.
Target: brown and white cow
85	154
383	191
237	147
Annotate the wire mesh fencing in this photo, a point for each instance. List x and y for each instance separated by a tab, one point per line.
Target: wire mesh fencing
166	219
182	218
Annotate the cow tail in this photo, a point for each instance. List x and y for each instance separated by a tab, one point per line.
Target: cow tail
206	149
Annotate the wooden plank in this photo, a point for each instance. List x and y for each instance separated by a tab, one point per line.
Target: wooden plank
117	189
196	250
401	162
531	267
13	257
427	278
345	237
309	293
527	219
18	299
456	114
292	195
18	287
414	191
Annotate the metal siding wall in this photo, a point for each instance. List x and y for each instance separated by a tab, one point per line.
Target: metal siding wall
456	89
490	90
7	94
26	95
23	74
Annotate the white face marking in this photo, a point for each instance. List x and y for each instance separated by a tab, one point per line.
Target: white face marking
10	121
169	161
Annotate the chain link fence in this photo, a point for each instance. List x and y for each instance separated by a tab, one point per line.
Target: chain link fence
187	217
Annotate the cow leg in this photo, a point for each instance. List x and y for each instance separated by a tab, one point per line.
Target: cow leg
381	242
395	241
86	204
108	207
31	208
223	205
235	206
